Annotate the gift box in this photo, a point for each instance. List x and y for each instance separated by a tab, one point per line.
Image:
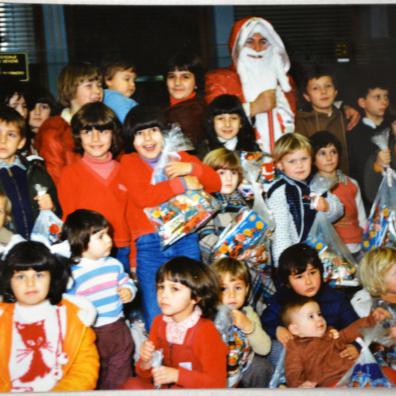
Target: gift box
182	215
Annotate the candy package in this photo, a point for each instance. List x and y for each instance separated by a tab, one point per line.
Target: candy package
182	215
174	141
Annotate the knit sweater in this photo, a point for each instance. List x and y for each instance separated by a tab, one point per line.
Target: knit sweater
80	187
317	359
136	176
201	359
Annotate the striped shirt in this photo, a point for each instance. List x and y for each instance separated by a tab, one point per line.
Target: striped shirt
99	281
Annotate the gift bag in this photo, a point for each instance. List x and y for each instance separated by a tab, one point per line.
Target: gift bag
279	377
366	372
174	141
182	215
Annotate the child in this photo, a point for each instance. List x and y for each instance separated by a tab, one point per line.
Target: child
320	90
228	126
45	339
18	176
119	76
13	93
184	80
300	273
93	181
102	280
145	130
313	355
227	164
248	343
326	153
78	84
194	355
290	198
374	101
377	273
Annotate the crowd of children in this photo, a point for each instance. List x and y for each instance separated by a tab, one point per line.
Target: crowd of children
212	320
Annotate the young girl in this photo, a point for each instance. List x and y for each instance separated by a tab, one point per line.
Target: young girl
300	273
145	131
326	153
184	77
194	355
228	126
93	180
290	197
14	94
102	280
377	273
248	343
227	164
78	84
45	339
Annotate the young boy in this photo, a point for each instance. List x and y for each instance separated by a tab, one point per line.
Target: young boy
313	354
119	77
364	156
290	199
248	342
320	91
78	84
18	177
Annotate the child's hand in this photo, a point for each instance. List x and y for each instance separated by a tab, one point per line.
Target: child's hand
350	352
146	354
125	294
165	375
175	169
379	314
283	335
193	183
334	334
241	321
383	158
352	115
44	201
308	384
322	205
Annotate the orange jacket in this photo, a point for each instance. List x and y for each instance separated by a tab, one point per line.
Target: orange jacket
79	373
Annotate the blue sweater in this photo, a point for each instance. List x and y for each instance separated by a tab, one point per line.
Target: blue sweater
335	307
119	103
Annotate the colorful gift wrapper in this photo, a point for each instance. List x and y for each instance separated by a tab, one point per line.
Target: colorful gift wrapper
182	215
338	263
47	226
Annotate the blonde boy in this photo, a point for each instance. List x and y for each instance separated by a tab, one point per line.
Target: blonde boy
78	84
290	199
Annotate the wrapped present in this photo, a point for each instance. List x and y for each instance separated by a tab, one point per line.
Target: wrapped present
174	141
182	215
338	263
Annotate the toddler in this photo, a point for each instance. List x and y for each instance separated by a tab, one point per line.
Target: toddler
46	342
194	355
248	342
313	355
326	153
93	180
145	130
119	77
102	280
228	126
290	198
78	84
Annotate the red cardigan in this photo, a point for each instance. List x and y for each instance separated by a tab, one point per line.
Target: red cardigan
136	176
54	142
202	348
80	187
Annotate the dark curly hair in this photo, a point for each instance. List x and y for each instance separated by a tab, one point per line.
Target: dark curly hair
198	277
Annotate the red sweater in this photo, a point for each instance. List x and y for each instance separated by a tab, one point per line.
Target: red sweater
80	187
54	142
203	349
136	175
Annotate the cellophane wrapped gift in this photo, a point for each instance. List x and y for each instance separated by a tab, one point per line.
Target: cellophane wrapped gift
182	215
366	372
174	141
247	237
381	225
339	264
